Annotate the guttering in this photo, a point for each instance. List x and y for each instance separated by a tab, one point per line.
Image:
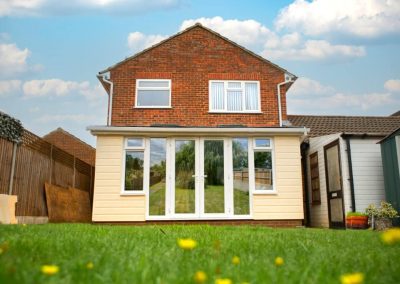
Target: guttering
216	131
103	77
288	79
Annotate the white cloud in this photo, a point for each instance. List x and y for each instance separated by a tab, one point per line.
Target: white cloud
362	18
13	60
138	41
306	86
314	50
51	7
52	87
308	96
257	37
76	118
392	85
9	87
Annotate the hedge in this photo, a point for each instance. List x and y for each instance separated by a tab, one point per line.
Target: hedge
10	128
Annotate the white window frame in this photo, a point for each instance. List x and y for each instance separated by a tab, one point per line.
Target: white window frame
169	88
242	82
144	149
252	168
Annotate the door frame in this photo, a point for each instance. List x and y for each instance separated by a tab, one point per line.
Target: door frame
340	192
199	182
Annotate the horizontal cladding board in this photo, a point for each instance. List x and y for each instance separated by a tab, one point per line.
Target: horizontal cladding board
287	162
108	162
278	216
120	211
107	176
109	141
108	183
118	218
108	169
121	203
277	202
278	209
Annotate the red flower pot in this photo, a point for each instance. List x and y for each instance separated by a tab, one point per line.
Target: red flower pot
357	222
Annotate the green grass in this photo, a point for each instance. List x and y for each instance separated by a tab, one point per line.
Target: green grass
149	254
185	200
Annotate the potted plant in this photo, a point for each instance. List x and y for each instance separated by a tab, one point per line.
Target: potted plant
356	220
381	218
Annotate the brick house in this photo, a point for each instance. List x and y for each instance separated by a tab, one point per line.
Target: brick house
197	130
72	145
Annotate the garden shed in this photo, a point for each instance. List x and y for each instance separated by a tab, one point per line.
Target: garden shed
390	149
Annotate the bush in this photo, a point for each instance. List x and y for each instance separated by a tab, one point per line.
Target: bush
385	211
10	128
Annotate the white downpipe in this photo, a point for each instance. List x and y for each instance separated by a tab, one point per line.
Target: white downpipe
110	98
288	79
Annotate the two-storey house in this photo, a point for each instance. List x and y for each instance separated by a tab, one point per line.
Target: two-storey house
196	131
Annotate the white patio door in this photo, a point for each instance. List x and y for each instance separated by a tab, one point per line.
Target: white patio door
199	185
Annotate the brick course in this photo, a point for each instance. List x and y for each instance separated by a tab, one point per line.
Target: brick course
190	60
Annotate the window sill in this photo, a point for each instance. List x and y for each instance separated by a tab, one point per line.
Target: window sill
132	193
236	112
265	192
153	107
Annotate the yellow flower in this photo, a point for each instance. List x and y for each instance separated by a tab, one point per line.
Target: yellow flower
352	278
200	277
24	225
279	261
223	281
187	244
391	236
235	260
89	265
50	269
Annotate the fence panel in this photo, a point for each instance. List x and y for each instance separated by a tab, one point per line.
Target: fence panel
6	149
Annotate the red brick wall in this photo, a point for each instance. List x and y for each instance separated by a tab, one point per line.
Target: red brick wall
190	60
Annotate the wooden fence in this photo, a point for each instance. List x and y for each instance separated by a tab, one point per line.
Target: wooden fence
37	162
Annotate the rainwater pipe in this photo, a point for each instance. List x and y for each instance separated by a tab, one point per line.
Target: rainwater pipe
288	79
110	96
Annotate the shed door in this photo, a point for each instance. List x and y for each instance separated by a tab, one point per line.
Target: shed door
334	185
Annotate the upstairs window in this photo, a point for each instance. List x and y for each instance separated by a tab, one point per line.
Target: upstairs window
234	96
153	93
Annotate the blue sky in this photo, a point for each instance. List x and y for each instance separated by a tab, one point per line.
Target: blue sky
345	52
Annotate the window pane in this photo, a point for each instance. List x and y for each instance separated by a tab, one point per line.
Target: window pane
135	142
234	85
185	194
157	176
251	96
217	96
134	170
153	98
157	84
263	170
241	199
214	193
234	100
263	143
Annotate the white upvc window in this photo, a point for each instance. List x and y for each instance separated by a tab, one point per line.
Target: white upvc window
134	166
263	163
234	96
153	93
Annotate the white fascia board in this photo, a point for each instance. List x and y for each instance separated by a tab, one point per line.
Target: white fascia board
215	131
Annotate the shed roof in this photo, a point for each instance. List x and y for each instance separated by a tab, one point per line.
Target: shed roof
359	125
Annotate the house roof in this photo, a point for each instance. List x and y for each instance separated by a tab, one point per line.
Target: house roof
396	132
72	145
357	125
185	31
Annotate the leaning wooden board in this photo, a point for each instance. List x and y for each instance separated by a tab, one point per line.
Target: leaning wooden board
67	205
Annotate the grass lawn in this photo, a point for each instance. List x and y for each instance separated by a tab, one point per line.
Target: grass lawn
149	254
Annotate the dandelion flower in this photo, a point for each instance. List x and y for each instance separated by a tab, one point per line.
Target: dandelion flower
391	236
279	261
24	225
50	269
352	278
89	265
235	260
200	277
187	244
223	281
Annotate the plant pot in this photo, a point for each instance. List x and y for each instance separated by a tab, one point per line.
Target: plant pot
382	224
357	222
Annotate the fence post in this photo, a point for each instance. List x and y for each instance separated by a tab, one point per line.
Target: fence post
73	177
11	184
